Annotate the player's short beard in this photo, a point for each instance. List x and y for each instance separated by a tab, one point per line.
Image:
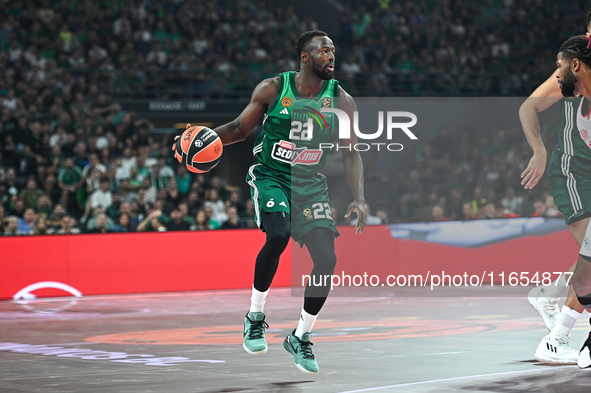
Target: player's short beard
320	72
568	84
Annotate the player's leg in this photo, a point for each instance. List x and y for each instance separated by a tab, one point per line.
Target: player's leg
268	194
582	283
320	244
569	187
278	231
555	347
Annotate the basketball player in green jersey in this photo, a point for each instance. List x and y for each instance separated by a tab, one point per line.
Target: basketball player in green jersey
289	195
554	348
574	74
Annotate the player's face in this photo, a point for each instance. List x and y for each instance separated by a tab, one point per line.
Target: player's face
322	56
566	77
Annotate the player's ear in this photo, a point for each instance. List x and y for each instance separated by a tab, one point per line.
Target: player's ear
575	65
304	56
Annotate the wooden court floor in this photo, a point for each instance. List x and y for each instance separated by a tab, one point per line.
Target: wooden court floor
191	342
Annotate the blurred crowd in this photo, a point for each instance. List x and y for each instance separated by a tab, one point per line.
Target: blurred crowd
72	159
462	175
222	48
452	47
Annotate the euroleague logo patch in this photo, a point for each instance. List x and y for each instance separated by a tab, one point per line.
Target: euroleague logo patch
286	101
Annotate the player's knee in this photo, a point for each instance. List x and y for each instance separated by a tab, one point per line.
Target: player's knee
580	278
325	261
278	239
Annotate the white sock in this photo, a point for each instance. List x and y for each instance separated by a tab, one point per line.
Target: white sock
558	288
306	324
565	322
257	300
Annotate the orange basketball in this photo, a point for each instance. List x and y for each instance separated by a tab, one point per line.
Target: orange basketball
199	149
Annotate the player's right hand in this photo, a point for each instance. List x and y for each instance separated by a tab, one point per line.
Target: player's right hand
178	136
534	171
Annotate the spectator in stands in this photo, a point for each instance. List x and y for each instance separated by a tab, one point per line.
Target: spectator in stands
93	173
126	194
487	211
11	226
162	174
512	202
18	208
3	219
40	227
124	223
11	191
152	223
213	202
31	193
201	221
468	212
102	196
185	214
382	214
55	217
183	180
233	221
91	223
438	214
43	207
248	216
540	208
100	224
551	209
173	194
502	212
67	226
176	222
214	224
26	223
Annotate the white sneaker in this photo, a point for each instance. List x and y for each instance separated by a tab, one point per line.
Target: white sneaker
547	307
556	351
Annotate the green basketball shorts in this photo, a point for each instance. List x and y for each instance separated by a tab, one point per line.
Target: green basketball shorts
305	200
569	179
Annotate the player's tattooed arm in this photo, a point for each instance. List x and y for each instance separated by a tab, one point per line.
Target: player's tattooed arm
353	165
542	98
262	97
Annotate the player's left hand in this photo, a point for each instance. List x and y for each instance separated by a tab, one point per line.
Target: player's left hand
534	171
357	207
178	136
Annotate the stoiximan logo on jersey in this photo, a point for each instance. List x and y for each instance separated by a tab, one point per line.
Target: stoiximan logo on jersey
289	153
395	121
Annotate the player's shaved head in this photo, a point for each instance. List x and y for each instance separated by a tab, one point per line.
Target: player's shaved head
303	41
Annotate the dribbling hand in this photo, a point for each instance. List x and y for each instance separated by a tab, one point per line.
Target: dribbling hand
178	136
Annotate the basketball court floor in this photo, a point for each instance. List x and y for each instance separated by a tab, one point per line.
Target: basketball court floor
191	342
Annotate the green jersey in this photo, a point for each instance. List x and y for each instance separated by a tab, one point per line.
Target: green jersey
294	128
574	137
